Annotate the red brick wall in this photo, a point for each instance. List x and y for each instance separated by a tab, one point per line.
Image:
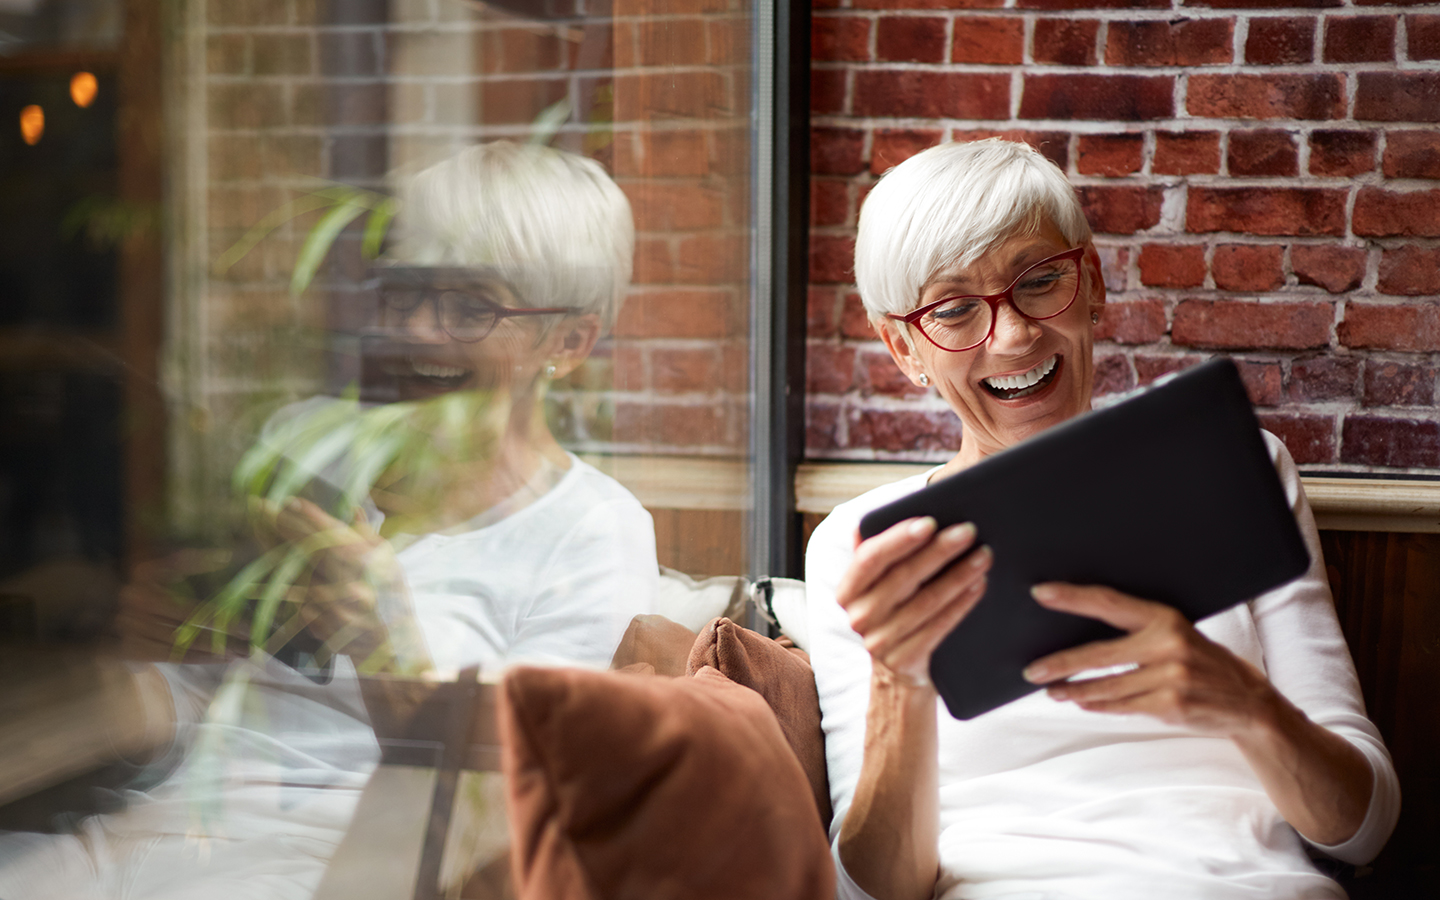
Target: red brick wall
1261	177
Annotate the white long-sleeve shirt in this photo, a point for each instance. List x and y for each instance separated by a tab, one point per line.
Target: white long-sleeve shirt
1040	799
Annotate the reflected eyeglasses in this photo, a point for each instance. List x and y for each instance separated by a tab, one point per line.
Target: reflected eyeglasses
468	304
964	322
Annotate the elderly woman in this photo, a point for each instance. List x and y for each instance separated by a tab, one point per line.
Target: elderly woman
1212	765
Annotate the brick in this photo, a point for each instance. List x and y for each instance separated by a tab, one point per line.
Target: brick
677	424
1093	4
627	369
654	261
1382	213
910	39
519	101
837	151
261	12
1121	210
1268	211
1397	384
1113	375
679	313
1149	368
1181	42
892	146
1186	153
1407	327
878	374
683	95
663	153
228	54
668	206
839	39
1309	96
1411	154
988	40
822	312
360	53
245	106
662	42
1065	42
829	369
1134	322
1336	269
1123	98
1280	42
899	431
711	259
629	8
1114	261
1262	4
289	54
822	426
1357	39
927	4
1242	324
728	41
829	201
932	95
1110	154
1422	37
1409	271
1247	267
1323	378
854	320
1309	438
1391	442
684	371
1260	153
1262	381
1053	145
832	258
827	91
1398	97
1342	154
1168	265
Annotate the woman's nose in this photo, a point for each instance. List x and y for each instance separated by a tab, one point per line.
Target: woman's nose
1012	332
423	323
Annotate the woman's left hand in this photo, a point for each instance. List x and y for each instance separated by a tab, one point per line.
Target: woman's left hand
1183	678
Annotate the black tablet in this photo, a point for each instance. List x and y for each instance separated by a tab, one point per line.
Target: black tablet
1169	495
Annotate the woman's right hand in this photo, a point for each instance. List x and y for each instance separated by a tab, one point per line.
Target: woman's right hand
903	595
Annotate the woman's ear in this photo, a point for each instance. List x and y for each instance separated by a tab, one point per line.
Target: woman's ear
1097	279
572	342
901	349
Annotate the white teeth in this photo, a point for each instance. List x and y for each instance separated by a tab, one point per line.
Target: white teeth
1024	379
435	370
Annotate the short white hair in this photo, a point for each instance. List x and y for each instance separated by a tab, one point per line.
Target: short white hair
946	206
553	223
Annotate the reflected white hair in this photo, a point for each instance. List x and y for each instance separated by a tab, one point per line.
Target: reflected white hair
553	223
946	206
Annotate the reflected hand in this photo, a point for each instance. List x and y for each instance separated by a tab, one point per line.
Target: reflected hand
347	565
156	602
1183	678
903	596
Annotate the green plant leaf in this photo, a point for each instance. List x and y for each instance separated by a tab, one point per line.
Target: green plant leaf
546	124
318	241
376	226
280	582
277	217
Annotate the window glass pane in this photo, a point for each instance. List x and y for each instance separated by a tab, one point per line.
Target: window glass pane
353	353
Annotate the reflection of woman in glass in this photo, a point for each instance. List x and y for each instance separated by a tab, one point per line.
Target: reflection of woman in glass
511	263
481	530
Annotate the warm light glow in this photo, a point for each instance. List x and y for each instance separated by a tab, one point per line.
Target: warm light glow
82	89
32	124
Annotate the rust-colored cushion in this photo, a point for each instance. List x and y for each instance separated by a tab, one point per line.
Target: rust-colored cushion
782	675
626	787
655	640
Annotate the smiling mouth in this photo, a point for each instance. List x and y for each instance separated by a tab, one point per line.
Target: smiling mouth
1014	387
438	375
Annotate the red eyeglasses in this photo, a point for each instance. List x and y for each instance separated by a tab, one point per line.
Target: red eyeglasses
1043	291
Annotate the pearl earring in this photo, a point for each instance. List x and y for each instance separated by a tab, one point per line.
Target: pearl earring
1094	318
550	371
924	380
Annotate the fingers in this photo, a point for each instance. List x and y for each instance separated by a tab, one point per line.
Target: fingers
1109	606
910	652
1124	686
936	608
891	567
